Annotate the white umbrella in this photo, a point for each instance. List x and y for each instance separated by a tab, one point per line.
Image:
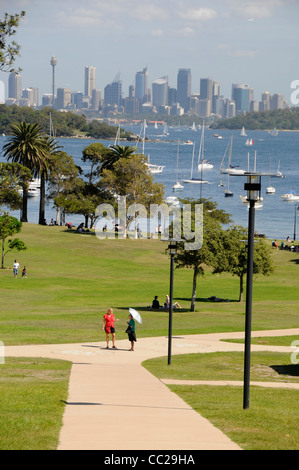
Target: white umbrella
136	315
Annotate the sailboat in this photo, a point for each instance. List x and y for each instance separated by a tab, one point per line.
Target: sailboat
193	128
232	170
203	164
228	192
249	142
243	133
177	186
154	169
274	132
197	180
165	131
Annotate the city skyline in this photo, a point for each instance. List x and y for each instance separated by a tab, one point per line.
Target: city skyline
232	41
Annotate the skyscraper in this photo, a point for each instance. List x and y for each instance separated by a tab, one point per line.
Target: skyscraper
240	95
184	88
14	86
160	92
90	80
113	93
141	85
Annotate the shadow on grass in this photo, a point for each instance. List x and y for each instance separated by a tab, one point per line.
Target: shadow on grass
289	369
296	261
153	310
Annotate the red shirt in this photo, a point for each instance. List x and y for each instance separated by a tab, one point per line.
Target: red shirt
109	319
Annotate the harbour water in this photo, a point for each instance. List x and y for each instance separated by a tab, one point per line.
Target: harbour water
276	218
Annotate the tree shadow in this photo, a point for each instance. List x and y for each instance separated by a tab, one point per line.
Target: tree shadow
287	369
296	261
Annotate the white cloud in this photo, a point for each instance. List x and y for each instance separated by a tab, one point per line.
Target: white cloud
185	32
147	12
157	33
256	9
199	14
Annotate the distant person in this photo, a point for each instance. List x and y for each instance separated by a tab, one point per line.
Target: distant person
167	303
109	327
156	303
131	331
24	272
15	268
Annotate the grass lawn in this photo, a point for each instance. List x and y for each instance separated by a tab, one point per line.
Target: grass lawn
33	392
73	278
271	422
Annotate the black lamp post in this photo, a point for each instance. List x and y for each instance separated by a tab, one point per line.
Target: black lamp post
253	188
172	247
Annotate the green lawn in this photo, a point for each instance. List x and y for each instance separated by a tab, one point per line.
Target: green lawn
74	278
33	394
270	423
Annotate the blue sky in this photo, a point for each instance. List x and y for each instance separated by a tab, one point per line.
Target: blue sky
231	41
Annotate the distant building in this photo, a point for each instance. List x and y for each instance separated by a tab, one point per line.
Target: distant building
31	94
90	80
113	93
15	86
63	99
184	79
241	96
160	92
96	96
141	86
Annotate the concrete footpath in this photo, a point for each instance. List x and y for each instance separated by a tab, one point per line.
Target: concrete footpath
115	404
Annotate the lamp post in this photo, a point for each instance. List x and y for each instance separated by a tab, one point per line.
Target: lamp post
172	247
253	188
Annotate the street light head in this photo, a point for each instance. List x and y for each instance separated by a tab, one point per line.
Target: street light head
253	187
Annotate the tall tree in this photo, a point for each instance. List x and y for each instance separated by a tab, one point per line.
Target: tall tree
9	226
130	178
13	177
197	260
9	51
233	257
28	146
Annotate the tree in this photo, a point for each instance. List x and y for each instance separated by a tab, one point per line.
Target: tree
9	226
63	173
13	177
28	146
115	153
130	178
211	248
9	52
233	257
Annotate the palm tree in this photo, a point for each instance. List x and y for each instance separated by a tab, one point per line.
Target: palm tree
29	146
115	153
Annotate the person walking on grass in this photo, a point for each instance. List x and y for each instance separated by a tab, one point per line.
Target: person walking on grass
109	327
16	268
131	331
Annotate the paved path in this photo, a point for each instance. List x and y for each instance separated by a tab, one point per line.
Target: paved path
115	404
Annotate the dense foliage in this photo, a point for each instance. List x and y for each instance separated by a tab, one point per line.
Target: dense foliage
287	119
65	124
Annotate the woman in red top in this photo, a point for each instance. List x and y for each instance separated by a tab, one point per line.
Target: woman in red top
108	326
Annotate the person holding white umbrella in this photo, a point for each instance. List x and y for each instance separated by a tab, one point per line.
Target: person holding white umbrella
131	326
